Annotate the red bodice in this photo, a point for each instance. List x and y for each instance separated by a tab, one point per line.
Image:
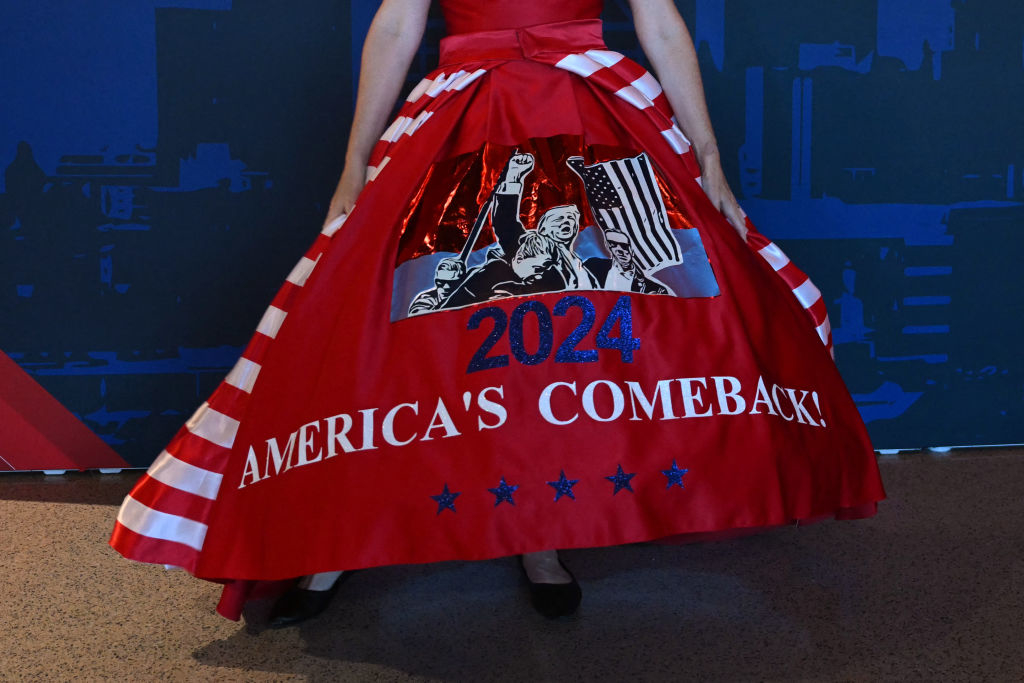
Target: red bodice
465	16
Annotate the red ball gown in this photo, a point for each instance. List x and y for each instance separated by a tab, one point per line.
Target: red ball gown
533	331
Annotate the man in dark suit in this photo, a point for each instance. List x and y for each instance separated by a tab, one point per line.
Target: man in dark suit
621	272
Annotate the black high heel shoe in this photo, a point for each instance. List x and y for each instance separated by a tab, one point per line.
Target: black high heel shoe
554	600
301	604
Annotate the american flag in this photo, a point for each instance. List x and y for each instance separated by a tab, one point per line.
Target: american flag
624	196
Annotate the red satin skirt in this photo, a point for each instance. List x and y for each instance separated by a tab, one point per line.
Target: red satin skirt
533	331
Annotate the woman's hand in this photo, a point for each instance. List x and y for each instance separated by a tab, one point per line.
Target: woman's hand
717	189
353	179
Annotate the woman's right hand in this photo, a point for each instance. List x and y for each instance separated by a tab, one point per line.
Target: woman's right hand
353	179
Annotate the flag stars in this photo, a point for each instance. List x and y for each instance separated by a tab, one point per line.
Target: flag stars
563	486
446	500
675	476
503	494
621	481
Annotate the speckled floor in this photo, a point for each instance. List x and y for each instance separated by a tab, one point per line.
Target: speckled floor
932	589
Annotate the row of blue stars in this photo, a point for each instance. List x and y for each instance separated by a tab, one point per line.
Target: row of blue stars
562	486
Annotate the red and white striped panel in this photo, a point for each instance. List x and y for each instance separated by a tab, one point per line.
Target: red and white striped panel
164	518
419	106
803	289
629	81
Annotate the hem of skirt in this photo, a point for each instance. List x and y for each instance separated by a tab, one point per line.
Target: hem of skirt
237	592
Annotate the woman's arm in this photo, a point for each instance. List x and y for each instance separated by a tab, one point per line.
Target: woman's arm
667	43
391	43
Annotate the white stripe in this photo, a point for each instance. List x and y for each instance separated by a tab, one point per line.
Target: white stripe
774	256
676	138
441	83
396	129
824	330
300	273
215	427
271	322
605	57
465	80
418	91
181	475
654	209
648	85
807	293
243	375
641	245
418	121
579	64
634	97
334	225
650	254
151	523
373	171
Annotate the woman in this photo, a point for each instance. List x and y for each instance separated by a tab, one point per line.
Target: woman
536	318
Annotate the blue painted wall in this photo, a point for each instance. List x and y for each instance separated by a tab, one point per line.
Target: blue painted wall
167	162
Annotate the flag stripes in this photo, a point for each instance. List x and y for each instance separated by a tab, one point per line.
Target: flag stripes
164	519
623	195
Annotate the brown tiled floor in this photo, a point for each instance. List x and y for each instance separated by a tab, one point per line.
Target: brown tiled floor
932	589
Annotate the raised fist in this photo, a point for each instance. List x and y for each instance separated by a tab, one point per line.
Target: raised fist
519	166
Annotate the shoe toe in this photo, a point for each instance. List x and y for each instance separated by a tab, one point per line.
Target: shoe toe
298	605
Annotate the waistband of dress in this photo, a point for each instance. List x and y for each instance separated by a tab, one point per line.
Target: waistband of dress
564	37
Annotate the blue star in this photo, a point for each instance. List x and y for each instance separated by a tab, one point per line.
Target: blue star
621	481
563	487
503	494
446	499
675	476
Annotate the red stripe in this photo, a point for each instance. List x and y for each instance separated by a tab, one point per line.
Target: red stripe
818	312
628	70
229	400
690	162
663	107
199	452
792	275
151	550
285	296
257	348
379	152
163	498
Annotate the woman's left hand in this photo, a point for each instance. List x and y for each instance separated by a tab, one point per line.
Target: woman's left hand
717	189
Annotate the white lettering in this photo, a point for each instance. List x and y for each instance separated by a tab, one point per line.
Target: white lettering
762	397
307	433
491	408
368	444
801	411
388	426
662	393
778	404
252	469
544	403
618	400
441	419
692	398
727	395
336	438
282	461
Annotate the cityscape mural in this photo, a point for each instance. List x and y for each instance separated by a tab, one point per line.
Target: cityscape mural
166	162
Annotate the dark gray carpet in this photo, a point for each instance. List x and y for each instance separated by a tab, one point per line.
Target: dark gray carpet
932	589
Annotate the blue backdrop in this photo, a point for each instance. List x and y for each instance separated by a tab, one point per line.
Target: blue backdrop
167	162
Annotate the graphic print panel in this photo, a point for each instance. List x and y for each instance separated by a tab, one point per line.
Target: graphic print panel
552	215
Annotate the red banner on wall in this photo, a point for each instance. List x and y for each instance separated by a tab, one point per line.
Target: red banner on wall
38	433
